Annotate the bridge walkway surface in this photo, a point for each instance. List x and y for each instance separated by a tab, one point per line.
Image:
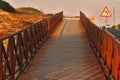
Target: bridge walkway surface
65	56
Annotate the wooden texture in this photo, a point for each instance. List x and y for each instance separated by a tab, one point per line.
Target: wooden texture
66	56
18	49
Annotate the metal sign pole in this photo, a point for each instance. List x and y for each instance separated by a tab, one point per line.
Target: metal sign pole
106	21
113	15
106	13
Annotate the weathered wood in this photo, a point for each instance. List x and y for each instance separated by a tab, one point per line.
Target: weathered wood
108	48
18	49
1	62
66	56
11	56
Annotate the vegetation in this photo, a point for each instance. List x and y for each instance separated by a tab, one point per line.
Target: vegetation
113	27
77	16
30	10
13	20
116	26
6	6
50	14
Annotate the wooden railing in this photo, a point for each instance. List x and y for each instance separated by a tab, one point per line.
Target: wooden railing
54	20
106	48
18	49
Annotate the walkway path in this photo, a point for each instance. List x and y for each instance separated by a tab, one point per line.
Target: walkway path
66	56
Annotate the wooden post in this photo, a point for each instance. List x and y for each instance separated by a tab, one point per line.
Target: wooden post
1	66
49	25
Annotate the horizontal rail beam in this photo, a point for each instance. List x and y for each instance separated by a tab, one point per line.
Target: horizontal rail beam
19	48
106	48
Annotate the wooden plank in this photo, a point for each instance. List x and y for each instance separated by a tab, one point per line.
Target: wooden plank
66	56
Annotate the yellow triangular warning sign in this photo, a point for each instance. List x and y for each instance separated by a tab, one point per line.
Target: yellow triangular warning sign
105	13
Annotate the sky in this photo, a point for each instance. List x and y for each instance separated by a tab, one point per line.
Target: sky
73	8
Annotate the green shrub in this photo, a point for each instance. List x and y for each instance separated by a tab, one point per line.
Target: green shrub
50	14
118	26
6	6
29	10
113	27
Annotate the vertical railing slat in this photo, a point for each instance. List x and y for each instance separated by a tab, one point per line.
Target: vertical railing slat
10	53
18	49
107	46
1	62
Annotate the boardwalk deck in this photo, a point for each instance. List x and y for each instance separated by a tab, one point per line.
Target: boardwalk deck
66	56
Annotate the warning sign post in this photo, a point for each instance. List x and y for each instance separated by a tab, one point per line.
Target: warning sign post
106	13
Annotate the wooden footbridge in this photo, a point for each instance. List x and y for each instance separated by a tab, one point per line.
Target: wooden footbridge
60	49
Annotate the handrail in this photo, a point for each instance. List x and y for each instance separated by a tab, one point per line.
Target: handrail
19	48
55	19
106	47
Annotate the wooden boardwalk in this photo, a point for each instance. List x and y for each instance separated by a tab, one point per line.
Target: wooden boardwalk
66	56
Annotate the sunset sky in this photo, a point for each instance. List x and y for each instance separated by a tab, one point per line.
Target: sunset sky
73	7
